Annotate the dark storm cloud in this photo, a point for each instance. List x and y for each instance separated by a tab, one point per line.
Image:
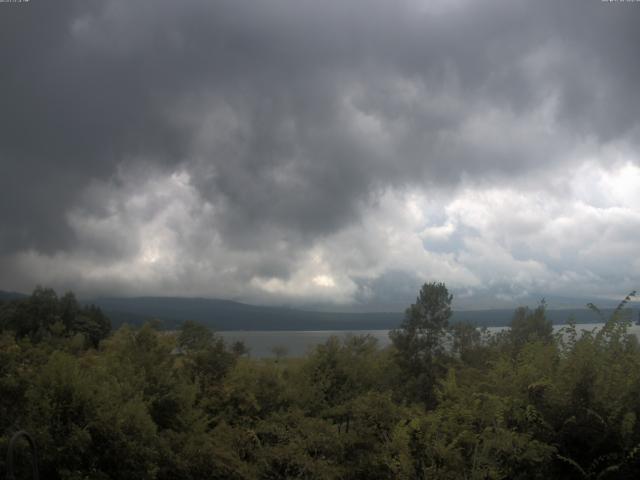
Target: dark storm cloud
391	291
290	117
67	117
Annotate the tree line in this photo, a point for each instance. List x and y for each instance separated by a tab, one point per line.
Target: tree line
442	401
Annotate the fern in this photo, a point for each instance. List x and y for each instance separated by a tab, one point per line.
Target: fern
597	311
622	304
573	464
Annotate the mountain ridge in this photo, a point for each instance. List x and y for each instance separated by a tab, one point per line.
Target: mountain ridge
225	315
228	315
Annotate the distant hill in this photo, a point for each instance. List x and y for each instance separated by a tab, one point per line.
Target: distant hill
4	296
229	315
502	317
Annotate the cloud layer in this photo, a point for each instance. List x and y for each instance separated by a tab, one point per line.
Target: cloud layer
320	152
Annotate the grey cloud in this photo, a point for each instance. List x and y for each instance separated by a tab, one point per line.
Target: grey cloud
394	290
92	88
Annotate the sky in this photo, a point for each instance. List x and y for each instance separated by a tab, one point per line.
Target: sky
334	153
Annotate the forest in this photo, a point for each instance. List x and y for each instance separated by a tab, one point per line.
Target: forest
444	401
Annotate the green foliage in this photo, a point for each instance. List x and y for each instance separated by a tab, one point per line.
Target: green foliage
442	402
420	334
530	326
419	341
43	315
339	370
469	344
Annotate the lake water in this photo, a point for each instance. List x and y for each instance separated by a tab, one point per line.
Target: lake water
298	343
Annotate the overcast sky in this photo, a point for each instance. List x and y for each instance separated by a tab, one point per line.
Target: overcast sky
321	152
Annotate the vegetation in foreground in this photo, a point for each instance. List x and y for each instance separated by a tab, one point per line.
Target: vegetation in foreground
443	402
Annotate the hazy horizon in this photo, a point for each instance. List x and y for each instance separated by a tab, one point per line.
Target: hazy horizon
552	303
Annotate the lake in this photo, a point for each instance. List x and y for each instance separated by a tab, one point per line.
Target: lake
298	343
